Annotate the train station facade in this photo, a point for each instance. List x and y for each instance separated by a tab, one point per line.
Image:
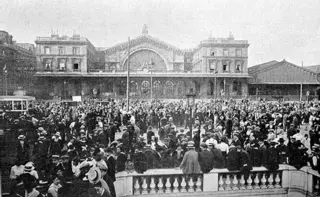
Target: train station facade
72	66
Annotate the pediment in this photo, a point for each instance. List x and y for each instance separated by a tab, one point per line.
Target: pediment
143	40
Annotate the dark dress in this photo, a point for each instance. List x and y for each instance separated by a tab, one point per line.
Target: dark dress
111	175
233	160
121	162
273	159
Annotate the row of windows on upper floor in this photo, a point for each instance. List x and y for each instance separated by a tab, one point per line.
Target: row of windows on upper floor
61	50
223	52
61	65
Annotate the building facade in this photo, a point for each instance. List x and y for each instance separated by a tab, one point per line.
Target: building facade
214	68
61	63
17	67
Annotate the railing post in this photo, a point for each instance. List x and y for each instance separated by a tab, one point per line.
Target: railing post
210	182
124	184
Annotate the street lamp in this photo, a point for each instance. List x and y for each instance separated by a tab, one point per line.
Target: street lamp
5	73
64	90
190	97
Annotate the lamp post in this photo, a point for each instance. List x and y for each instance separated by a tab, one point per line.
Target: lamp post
190	95
215	85
5	73
64	90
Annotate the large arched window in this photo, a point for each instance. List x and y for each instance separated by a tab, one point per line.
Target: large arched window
169	88
181	88
145	87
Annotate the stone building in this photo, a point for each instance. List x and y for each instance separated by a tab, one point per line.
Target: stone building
62	62
217	67
17	67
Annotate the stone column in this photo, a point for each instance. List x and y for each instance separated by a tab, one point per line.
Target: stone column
203	87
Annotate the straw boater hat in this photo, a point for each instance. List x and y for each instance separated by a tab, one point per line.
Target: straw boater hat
190	144
28	167
41	138
94	175
21	137
40	129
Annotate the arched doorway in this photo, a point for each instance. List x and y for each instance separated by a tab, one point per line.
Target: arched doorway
169	91
157	89
181	89
145	88
134	87
122	87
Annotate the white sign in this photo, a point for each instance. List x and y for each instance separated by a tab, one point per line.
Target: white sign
76	98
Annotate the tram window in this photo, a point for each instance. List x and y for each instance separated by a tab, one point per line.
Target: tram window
17	105
24	105
6	105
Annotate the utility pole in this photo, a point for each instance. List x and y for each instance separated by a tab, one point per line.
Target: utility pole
128	75
301	84
151	85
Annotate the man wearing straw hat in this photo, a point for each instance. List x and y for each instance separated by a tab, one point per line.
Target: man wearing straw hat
100	187
22	149
190	163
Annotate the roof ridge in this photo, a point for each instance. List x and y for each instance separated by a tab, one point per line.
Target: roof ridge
302	68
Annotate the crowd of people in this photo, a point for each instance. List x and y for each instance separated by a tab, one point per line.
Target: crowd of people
74	149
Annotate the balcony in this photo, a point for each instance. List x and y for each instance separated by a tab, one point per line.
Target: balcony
287	181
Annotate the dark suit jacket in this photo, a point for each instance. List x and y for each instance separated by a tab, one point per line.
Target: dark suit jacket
23	153
111	162
121	162
206	161
263	155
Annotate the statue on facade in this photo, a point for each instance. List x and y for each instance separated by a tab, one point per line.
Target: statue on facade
145	30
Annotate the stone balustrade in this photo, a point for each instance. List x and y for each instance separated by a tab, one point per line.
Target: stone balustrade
286	181
253	180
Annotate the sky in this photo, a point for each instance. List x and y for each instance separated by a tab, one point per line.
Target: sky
275	29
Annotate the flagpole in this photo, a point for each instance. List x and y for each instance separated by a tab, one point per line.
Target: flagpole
128	75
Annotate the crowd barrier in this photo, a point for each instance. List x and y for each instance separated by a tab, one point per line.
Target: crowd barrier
286	181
